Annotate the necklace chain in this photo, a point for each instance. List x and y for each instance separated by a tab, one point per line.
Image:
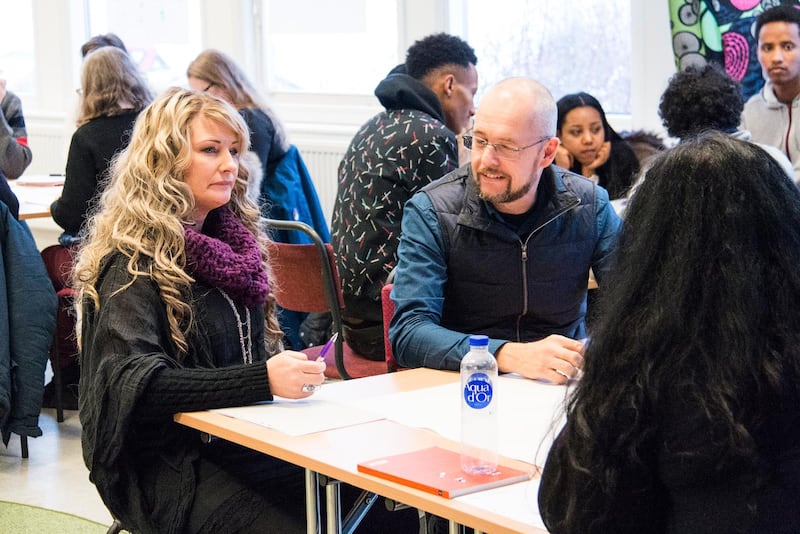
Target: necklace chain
245	342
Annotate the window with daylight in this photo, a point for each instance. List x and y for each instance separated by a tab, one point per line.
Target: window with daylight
569	46
162	36
17	64
341	47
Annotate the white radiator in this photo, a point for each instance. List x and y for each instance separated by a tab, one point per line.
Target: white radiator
323	164
49	146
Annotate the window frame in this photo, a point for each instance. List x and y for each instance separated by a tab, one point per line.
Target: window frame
58	62
652	64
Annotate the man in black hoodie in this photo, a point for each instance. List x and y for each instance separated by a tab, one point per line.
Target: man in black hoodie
428	101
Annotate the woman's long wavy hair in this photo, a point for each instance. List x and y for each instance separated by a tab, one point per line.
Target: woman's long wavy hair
111	85
702	307
142	212
219	69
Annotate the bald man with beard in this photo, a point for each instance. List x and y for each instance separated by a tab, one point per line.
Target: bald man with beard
503	247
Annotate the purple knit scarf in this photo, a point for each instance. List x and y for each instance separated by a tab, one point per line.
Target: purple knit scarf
227	257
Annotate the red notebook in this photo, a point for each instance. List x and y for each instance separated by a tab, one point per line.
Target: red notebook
438	471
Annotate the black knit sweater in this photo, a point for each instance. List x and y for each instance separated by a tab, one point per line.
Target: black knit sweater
91	150
132	383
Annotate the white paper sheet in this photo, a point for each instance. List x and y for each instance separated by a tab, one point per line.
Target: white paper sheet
531	413
299	417
517	501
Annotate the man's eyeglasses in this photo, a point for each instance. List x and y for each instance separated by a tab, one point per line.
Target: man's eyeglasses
503	151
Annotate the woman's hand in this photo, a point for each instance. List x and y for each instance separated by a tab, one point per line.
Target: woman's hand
290	371
602	156
564	158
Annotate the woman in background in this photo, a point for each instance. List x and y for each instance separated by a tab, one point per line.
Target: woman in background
113	93
591	147
215	72
176	316
101	40
687	418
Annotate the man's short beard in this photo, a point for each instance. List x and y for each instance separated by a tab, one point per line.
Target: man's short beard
507	196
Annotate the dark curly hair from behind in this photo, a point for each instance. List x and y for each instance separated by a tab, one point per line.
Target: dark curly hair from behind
435	51
701	98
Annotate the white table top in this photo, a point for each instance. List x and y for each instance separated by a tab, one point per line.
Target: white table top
35	193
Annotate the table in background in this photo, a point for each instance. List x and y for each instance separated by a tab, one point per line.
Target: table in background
35	193
336	453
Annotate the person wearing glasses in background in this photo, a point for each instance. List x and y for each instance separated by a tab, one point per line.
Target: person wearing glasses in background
112	93
503	247
215	72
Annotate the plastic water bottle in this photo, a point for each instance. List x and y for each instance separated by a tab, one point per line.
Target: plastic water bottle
478	408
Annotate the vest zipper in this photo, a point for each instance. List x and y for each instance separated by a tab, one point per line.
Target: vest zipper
524	257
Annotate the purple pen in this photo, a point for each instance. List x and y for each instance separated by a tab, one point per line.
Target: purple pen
311	388
327	347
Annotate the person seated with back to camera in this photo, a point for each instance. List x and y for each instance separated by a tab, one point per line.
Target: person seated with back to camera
113	92
99	41
645	144
503	247
687	417
591	147
699	99
706	98
165	327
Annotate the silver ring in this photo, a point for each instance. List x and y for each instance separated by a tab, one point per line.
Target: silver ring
310	388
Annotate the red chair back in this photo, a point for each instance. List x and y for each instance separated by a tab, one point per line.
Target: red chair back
387	306
58	262
305	279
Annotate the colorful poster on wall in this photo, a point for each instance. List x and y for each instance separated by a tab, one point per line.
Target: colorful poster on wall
720	31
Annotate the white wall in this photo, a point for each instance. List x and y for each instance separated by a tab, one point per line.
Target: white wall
653	62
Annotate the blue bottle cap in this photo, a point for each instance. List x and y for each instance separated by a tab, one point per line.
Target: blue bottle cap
478	341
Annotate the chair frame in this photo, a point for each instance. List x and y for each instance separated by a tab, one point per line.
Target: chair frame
65	295
332	292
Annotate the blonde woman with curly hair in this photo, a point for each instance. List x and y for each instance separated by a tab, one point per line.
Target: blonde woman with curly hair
279	180
176	316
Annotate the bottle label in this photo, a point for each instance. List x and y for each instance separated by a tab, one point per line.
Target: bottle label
478	391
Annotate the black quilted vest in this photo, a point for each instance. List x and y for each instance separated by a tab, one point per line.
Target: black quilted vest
520	288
